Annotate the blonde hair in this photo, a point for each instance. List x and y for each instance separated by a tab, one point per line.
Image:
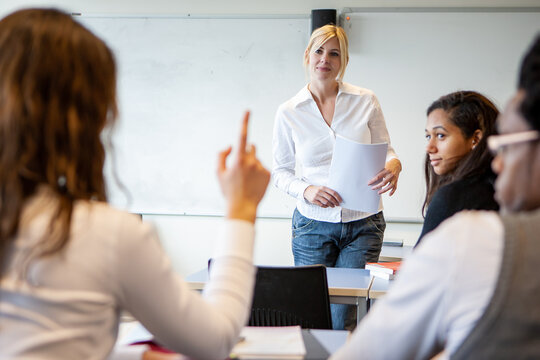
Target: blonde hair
320	36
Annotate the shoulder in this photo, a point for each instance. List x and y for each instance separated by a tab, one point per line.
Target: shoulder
356	90
469	247
301	97
466	227
104	213
107	224
474	240
472	190
465	186
448	198
358	96
465	194
451	190
471	220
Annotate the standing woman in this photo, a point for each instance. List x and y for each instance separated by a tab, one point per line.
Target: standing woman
458	162
69	262
304	134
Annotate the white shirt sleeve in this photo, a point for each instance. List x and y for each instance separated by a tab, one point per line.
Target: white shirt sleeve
284	159
440	293
377	126
204	327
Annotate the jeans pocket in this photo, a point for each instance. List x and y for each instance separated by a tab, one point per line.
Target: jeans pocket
300	223
378	222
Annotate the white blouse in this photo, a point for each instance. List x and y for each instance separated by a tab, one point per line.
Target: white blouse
69	306
301	136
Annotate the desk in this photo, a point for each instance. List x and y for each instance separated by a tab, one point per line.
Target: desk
349	286
345	286
394	253
331	340
378	288
319	343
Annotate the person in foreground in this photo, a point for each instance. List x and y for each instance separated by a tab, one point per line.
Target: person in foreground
305	132
471	289
458	161
70	263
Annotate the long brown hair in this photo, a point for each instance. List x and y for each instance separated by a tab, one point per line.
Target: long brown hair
469	111
57	94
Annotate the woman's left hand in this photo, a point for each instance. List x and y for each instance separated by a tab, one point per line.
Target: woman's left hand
386	179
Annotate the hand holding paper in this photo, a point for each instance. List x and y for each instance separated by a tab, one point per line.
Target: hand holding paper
322	196
353	166
387	178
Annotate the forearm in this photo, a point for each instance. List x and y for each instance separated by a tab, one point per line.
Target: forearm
203	327
227	295
287	181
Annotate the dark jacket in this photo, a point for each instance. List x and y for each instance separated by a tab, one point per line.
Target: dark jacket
472	193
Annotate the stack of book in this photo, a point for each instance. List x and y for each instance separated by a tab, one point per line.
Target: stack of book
385	270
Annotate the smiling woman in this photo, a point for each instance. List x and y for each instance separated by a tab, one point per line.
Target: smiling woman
447	144
457	165
304	134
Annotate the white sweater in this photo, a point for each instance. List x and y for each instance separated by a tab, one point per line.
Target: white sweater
69	305
441	291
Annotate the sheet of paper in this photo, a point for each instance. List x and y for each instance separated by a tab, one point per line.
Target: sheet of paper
353	165
261	343
133	332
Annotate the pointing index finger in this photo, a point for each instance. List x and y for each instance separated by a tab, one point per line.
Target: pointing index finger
243	136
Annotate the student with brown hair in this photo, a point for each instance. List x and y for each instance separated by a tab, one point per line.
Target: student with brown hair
70	263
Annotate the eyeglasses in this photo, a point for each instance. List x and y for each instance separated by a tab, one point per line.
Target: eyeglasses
497	143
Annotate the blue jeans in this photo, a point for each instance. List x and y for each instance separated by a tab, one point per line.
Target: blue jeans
347	245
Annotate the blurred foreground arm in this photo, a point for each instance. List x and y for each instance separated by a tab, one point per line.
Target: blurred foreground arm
204	327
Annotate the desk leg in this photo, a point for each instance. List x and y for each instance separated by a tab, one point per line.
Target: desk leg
361	309
360	302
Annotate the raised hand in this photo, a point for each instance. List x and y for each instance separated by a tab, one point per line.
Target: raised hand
243	183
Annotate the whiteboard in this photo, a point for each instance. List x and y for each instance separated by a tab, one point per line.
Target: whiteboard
185	82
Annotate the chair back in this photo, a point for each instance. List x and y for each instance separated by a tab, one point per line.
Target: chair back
287	296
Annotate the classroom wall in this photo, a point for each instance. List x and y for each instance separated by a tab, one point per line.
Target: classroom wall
244	6
189	239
